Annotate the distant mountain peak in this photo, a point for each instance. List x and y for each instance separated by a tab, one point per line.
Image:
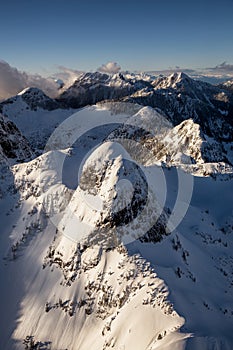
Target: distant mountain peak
94	76
173	80
34	98
31	90
178	76
227	85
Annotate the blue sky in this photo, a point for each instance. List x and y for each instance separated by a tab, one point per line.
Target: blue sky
38	36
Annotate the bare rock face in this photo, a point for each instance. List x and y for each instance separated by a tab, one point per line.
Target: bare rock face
13	144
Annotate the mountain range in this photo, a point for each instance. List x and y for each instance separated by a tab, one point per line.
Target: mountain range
116	210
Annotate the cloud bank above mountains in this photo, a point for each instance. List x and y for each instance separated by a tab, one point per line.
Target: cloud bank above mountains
110	67
12	80
67	75
223	68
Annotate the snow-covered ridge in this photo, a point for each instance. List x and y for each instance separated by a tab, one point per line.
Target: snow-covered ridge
178	96
172	81
90	88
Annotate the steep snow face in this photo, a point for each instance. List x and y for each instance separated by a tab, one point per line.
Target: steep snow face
195	261
114	201
85	290
96	308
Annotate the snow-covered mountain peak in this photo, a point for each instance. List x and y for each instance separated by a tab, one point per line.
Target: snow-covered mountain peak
31	91
109	183
36	98
178	77
174	80
178	96
91	88
106	165
30	98
106	152
93	77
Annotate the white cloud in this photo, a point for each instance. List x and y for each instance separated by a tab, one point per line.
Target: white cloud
218	74
222	68
110	67
67	75
12	81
